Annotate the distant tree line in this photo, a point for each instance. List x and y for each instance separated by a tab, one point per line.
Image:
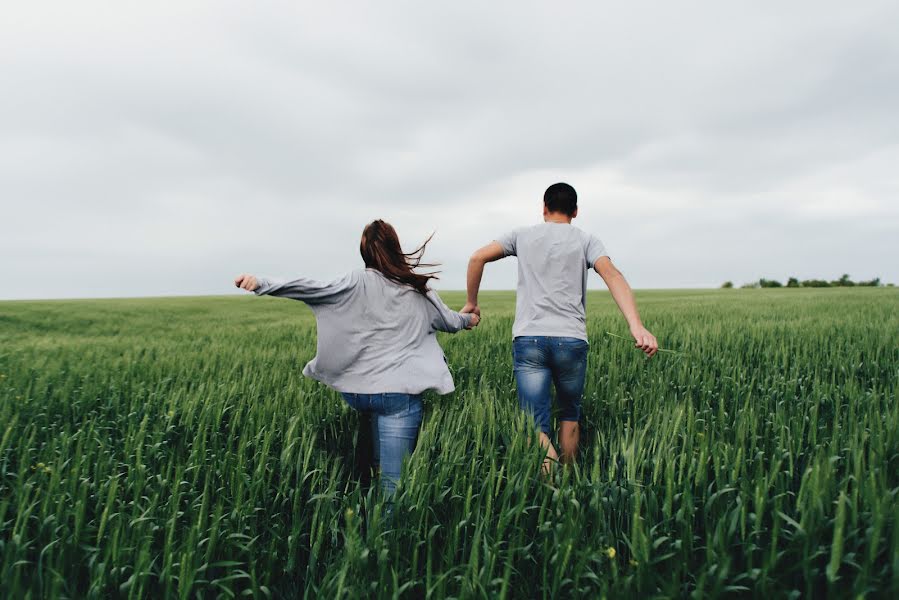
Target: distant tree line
793	282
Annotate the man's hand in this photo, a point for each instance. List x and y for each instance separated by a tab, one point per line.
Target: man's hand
645	341
624	298
471	308
489	253
475	319
245	281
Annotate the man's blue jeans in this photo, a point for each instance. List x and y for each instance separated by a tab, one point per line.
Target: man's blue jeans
395	419
540	362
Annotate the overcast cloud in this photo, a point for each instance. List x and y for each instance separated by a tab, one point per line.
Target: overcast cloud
157	149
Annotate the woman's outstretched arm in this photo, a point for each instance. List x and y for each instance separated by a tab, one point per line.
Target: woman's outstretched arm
443	318
307	290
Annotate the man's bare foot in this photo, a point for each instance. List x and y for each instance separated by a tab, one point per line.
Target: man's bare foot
569	438
552	457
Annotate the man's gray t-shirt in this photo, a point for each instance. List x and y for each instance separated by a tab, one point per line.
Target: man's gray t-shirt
553	260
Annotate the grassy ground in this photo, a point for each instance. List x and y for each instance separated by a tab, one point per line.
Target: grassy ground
171	447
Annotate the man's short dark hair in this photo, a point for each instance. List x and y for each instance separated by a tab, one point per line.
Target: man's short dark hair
560	198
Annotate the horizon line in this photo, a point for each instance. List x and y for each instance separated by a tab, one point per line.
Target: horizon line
451	291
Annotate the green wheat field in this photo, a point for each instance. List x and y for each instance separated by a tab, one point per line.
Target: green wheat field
171	448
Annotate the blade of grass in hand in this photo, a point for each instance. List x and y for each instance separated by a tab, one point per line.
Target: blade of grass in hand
627	339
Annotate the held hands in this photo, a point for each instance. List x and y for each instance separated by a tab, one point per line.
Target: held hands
245	281
471	308
645	341
475	311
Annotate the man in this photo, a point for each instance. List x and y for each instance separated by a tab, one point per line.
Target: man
550	331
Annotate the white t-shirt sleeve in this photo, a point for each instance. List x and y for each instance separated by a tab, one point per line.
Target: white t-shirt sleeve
509	242
594	249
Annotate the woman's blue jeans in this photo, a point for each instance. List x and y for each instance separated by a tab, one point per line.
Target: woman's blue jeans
395	419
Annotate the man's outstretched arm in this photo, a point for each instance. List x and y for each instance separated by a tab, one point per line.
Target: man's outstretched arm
624	298
489	253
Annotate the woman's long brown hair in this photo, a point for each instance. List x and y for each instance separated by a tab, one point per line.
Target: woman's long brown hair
381	251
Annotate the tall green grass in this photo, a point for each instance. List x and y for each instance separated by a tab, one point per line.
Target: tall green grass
172	448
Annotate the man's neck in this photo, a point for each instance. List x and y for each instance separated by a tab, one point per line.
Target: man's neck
557	218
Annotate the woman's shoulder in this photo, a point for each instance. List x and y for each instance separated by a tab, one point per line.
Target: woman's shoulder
350	279
375	279
432	300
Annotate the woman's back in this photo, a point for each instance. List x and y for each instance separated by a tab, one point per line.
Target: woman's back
375	335
377	342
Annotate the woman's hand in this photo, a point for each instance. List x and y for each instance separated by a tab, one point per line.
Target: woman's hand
248	282
475	319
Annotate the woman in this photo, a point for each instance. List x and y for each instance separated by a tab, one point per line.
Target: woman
376	342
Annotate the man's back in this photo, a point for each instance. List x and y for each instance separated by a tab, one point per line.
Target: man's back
553	259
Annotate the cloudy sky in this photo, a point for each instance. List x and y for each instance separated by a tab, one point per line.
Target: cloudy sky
156	149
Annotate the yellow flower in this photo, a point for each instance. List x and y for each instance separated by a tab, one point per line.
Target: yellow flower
349	513
40	465
610	552
633	563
